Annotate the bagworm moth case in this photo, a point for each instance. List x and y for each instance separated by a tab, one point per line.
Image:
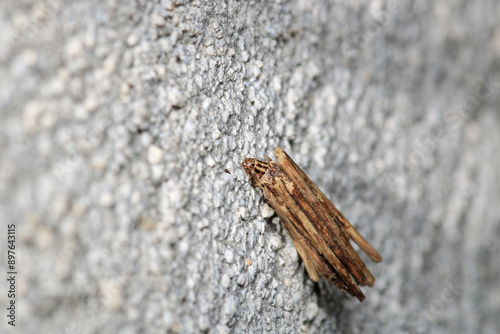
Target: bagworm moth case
320	233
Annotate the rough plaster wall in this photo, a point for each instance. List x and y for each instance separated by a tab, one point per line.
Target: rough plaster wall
123	125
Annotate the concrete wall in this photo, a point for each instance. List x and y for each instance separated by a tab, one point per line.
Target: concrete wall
124	123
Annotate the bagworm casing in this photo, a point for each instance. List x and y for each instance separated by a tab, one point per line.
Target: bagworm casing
320	233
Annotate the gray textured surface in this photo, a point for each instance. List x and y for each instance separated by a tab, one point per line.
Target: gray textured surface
123	125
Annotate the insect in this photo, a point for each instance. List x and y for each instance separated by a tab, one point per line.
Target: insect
320	233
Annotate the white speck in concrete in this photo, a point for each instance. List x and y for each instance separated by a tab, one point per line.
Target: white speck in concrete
74	48
155	154
275	242
175	97
158	20
226	281
266	211
222	329
210	161
106	199
245	56
242	212
111	294
146	139
216	135
229	256
132	40
169	5
276	84
241	279
91	104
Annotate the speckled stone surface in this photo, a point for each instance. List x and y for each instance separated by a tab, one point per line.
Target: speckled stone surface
124	123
